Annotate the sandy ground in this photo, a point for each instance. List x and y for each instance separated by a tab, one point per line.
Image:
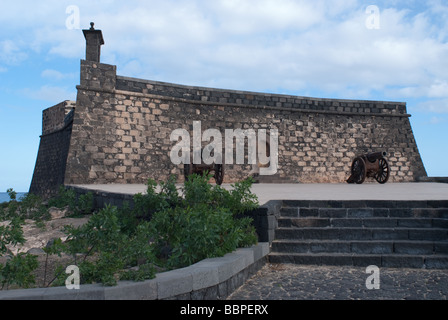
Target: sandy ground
37	237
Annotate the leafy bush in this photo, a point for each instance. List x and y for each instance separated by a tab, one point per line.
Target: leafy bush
18	270
33	207
11	234
203	224
67	198
238	200
64	198
168	226
106	250
154	201
12	194
195	233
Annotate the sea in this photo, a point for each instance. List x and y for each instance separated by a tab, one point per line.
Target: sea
4	197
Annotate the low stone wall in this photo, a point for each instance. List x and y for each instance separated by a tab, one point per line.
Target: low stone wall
103	198
433	179
210	279
265	220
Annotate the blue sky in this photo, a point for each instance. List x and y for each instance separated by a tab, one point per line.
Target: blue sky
320	48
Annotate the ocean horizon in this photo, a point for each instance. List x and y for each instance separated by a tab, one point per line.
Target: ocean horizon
4	197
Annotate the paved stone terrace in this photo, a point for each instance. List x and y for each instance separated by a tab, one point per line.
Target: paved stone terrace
296	282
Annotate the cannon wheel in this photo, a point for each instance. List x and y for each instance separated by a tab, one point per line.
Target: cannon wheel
383	173
219	174
359	170
188	170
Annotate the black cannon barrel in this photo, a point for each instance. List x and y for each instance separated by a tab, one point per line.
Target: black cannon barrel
372	157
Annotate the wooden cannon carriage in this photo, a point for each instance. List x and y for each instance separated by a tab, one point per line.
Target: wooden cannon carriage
200	169
372	165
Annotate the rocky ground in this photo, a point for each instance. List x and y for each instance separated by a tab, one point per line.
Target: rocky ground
37	236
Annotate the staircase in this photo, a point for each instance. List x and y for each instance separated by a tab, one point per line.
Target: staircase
403	234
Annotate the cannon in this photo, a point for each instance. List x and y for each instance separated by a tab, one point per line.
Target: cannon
372	165
200	169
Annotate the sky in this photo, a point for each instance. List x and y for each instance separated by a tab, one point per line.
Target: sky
349	49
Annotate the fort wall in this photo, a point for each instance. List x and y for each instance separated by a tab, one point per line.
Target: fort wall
120	131
49	171
122	127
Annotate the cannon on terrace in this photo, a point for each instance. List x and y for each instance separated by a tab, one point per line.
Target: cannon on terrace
200	169
371	165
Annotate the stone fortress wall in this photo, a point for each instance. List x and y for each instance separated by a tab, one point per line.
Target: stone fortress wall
121	129
49	172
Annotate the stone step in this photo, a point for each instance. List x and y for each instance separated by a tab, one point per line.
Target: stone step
361	247
392	204
381	222
412	234
363	260
338	233
327	212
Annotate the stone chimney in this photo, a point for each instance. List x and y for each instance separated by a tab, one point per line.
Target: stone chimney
94	41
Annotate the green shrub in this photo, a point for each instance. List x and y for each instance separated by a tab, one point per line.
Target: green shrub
238	200
11	234
195	233
107	250
33	207
168	226
12	194
29	206
64	198
204	223
153	201
19	271
81	205
85	204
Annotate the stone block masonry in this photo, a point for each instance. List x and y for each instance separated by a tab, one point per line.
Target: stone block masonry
49	172
122	126
121	134
54	118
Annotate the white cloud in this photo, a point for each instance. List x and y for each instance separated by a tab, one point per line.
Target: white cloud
311	48
323	51
289	45
11	53
433	90
242	17
56	75
436	120
434	106
438	89
50	94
